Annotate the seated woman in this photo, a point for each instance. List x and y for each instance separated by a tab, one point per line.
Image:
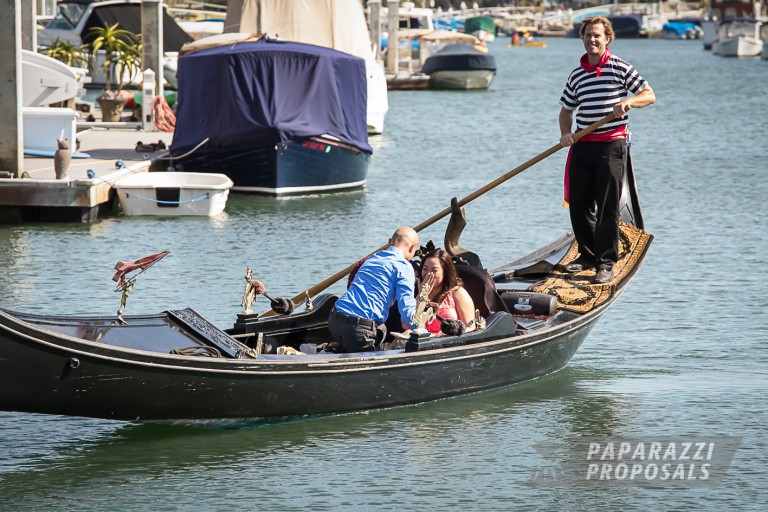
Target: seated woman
448	291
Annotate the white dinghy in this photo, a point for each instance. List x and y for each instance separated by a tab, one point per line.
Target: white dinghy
173	193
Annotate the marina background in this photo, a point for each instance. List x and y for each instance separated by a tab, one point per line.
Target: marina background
681	354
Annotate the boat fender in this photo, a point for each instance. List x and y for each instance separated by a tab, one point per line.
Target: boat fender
528	303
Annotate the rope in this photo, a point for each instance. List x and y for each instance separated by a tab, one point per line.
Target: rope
197	350
131	194
171	158
162	115
92	175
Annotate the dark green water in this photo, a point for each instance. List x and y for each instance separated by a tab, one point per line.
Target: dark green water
681	354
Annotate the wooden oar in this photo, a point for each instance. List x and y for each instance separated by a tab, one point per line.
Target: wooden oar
474	195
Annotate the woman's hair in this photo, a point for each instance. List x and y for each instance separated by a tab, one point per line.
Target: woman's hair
597	20
451	278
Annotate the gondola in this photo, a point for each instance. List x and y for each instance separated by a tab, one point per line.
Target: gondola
177	367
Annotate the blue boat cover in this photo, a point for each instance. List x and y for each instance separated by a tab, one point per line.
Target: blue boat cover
260	93
680	28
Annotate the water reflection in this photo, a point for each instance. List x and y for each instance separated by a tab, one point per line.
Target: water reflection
147	451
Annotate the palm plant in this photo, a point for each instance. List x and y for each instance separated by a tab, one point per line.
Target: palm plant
122	50
70	54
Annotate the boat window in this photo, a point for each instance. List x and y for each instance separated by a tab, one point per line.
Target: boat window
411	23
68	16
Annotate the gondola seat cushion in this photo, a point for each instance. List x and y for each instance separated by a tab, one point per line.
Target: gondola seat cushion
480	286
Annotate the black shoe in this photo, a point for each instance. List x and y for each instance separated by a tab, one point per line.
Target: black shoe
603	276
579	264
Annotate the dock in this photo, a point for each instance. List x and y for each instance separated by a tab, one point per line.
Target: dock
405	81
39	196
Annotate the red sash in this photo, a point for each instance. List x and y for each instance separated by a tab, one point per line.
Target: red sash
615	134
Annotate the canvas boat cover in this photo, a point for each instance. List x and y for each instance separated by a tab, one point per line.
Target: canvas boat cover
263	92
337	24
128	15
486	23
459	57
439	36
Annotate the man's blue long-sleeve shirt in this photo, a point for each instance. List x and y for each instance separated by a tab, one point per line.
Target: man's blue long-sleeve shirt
384	278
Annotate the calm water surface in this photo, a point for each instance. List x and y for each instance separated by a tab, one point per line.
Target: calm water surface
682	353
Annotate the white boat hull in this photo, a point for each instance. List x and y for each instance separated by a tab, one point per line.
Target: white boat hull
45	80
464	79
709	33
740	46
173	193
378	104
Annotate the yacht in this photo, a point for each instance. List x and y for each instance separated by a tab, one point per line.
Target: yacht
740	37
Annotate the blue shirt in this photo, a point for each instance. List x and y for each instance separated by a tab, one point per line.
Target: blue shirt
384	277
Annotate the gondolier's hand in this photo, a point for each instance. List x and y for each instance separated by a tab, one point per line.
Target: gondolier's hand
621	108
566	140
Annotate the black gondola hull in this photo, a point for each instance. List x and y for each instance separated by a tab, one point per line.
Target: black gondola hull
152	367
67	377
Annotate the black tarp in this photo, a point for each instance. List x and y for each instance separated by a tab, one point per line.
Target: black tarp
459	57
129	18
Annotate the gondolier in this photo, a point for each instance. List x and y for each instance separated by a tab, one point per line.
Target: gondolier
385	278
595	168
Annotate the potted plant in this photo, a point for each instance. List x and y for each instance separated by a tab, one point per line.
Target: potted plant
122	58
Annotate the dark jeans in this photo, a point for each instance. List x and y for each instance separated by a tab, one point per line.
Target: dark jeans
356	334
595	173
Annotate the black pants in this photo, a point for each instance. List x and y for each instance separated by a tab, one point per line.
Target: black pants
595	174
356	334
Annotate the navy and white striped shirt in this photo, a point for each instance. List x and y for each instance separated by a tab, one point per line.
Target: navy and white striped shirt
595	96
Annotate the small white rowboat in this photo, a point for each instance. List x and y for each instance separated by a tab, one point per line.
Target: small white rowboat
173	193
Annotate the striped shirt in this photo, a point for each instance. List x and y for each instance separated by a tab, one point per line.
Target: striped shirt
595	96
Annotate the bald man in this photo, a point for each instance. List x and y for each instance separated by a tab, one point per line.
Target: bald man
386	277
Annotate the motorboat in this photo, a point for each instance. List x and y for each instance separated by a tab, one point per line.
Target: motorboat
76	18
682	29
724	10
173	193
460	66
277	117
45	80
482	27
627	26
336	24
740	37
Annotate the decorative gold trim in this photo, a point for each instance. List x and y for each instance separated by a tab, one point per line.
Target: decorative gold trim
576	292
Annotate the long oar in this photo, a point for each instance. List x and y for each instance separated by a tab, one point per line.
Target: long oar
474	195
